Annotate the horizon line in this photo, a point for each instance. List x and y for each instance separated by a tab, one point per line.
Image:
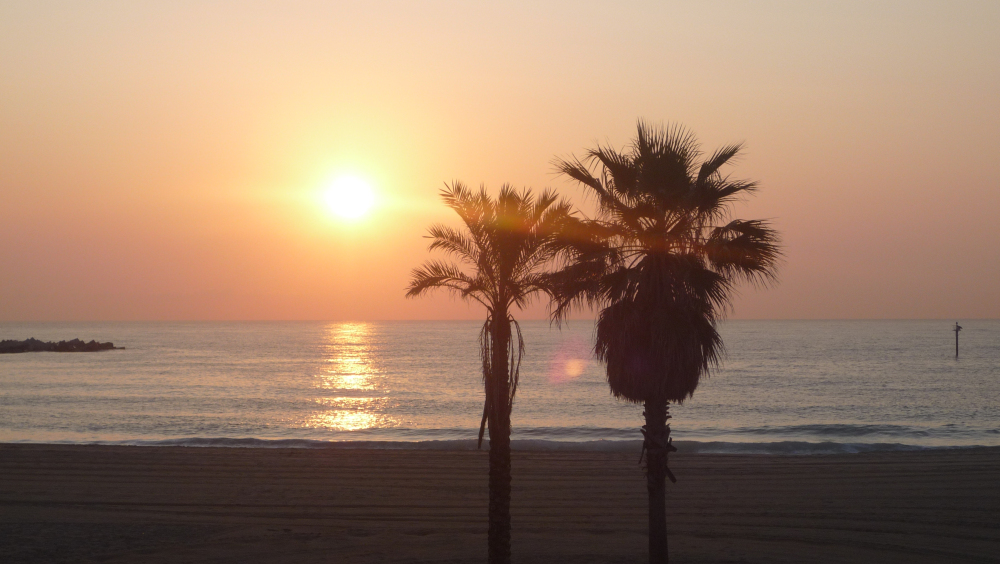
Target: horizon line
473	320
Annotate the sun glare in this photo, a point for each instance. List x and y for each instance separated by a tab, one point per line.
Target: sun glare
349	197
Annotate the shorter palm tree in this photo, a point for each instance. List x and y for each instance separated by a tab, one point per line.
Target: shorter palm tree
505	245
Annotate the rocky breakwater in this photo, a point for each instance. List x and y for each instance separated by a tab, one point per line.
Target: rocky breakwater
34	345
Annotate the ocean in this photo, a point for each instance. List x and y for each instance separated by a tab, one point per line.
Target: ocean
785	387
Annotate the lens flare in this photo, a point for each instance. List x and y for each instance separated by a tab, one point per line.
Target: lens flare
569	362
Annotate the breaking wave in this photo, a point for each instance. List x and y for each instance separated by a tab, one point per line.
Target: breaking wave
622	446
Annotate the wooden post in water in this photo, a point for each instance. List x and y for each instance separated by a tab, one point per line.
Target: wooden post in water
956	330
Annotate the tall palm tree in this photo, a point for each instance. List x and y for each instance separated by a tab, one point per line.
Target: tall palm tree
505	246
661	260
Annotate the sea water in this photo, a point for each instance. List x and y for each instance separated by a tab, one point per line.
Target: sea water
783	387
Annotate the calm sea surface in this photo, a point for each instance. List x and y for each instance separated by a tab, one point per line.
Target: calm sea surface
786	386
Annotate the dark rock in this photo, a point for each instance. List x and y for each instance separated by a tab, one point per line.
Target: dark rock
34	345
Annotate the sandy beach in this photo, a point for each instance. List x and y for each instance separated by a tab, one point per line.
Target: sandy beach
61	503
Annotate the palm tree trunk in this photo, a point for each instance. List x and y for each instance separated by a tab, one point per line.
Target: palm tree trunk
499	425
656	444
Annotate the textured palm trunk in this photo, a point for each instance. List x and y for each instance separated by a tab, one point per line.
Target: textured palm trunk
499	427
657	445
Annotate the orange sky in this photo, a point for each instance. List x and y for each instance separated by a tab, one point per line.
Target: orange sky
165	160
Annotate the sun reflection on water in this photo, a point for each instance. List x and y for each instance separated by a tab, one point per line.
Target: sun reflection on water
351	414
351	370
349	351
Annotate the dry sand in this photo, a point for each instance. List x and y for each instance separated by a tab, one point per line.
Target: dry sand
61	503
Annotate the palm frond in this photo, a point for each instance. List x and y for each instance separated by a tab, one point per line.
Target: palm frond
453	242
439	274
719	158
748	250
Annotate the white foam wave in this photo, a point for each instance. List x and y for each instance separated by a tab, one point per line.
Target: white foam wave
684	447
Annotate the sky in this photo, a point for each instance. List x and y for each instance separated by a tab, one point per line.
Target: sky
167	161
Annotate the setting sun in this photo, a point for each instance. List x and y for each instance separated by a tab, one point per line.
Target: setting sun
349	197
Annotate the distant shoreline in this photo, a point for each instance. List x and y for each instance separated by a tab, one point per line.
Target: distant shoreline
34	345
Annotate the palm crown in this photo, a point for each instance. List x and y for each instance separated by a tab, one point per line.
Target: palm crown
661	258
507	242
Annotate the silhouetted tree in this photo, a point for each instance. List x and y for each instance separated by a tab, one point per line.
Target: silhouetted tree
505	245
660	261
